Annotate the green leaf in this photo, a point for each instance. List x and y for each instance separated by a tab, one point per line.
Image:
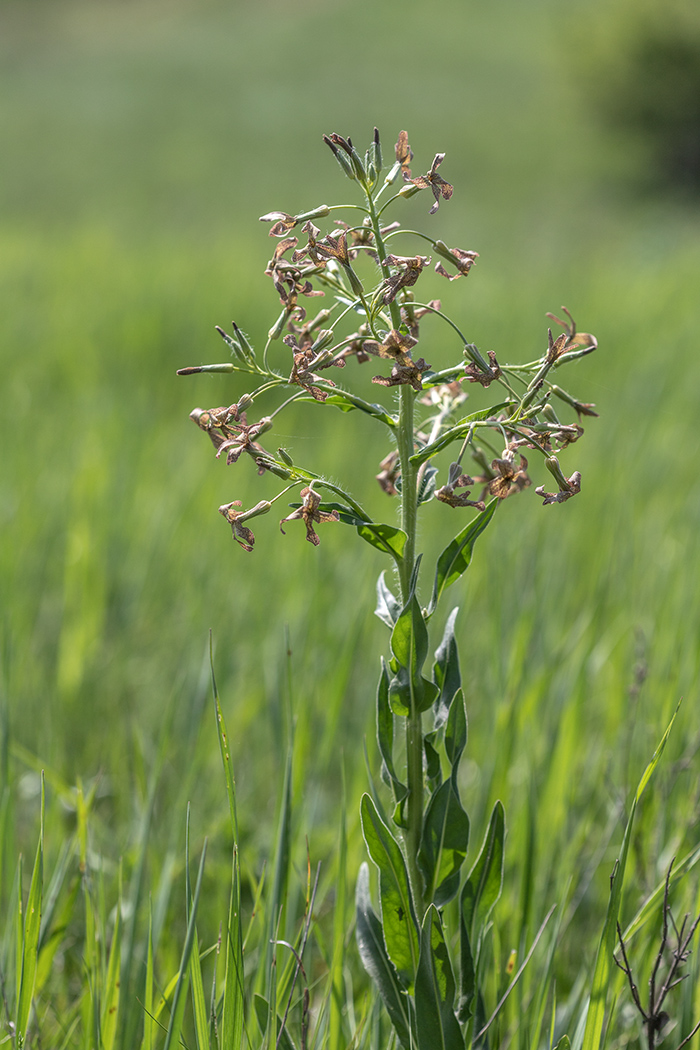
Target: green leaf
386	538
148	1021
457	555
436	1025
398	915
456	730
604	964
408	690
444	842
385	740
177	1014
456	433
446	674
388	606
110	1005
283	1040
346	402
370	942
483	886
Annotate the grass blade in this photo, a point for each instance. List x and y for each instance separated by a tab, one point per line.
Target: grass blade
30	937
595	1018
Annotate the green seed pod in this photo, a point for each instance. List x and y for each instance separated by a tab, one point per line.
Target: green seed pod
243	340
376	149
227	366
355	282
316	213
323	339
278	327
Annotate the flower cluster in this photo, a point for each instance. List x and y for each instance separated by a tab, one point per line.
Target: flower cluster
372	308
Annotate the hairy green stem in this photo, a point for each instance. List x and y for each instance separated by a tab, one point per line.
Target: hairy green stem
409	515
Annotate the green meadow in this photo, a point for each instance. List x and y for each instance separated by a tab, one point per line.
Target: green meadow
141	142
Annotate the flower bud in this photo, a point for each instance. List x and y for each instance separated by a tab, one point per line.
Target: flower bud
264	425
260	508
552	465
278	327
284	455
315	213
244	402
243	340
323	339
227	366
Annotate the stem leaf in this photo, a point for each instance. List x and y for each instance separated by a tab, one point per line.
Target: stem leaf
386	538
398	916
436	1025
444	842
385	740
377	963
388	607
457	555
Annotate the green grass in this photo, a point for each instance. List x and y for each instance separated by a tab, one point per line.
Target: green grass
142	141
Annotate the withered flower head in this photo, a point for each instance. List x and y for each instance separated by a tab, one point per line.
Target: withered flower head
556	348
309	513
463	260
283	222
404	155
389	473
456	479
568	487
396	345
572	489
305	363
509	480
242	439
485	376
405	372
409	269
241	533
436	183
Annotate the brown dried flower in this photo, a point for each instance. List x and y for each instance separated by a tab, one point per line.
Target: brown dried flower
508	480
436	183
404	155
456	479
309	512
409	269
389	473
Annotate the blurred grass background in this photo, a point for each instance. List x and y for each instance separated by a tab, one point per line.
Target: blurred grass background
141	141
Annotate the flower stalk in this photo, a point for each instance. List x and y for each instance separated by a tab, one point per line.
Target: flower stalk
419	858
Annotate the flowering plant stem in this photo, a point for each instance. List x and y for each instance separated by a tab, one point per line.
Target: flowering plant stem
420	846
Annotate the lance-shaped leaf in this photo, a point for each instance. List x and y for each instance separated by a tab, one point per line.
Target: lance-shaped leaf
456	731
398	915
385	739
483	887
347	402
408	689
479	895
386	538
388	607
446	671
377	963
436	1025
444	842
457	555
